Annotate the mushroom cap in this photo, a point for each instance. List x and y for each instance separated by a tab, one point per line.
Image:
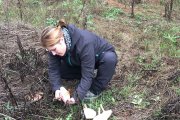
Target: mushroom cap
104	115
89	113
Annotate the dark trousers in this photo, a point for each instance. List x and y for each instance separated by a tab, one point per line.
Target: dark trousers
105	66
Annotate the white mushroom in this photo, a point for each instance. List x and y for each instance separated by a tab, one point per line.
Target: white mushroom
104	115
88	112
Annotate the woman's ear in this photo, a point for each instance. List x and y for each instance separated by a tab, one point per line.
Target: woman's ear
62	40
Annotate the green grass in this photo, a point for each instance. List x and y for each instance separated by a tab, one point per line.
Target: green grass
106	99
170	43
112	13
157	113
152	64
125	92
140	101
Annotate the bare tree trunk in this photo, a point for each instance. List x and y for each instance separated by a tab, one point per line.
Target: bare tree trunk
6	9
82	10
137	1
19	4
83	14
85	22
132	8
168	9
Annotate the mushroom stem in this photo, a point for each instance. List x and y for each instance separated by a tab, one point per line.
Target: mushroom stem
102	107
99	111
85	106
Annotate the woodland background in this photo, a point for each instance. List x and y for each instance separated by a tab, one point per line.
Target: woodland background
145	33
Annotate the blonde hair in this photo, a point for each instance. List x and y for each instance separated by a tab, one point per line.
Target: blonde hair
51	35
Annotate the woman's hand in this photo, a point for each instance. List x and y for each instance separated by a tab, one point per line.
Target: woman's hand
57	95
62	94
71	101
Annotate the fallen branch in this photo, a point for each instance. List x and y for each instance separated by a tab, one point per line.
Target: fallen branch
13	100
49	118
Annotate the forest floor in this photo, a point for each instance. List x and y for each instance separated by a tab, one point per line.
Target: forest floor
144	86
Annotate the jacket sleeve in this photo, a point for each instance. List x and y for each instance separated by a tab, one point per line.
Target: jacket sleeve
54	63
87	57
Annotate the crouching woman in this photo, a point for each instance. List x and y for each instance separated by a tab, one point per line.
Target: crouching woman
75	54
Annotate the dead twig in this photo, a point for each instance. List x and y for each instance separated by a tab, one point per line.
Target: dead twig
13	100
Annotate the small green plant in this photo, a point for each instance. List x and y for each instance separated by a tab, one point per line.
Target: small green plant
8	106
126	91
139	17
178	80
9	109
74	7
107	97
132	79
157	113
139	101
177	90
51	21
140	59
162	2
171	38
112	13
90	22
154	63
36	2
69	117
0	2
170	42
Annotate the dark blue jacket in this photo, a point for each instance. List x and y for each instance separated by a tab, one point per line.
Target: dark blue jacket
85	48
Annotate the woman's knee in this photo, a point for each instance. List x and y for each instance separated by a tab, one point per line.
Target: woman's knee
110	58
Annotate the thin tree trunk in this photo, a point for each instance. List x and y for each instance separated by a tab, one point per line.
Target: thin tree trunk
170	10
166	8
132	9
19	4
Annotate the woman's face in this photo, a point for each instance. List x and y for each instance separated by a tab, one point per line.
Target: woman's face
59	48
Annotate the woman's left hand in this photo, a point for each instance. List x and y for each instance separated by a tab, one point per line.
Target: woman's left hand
71	101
